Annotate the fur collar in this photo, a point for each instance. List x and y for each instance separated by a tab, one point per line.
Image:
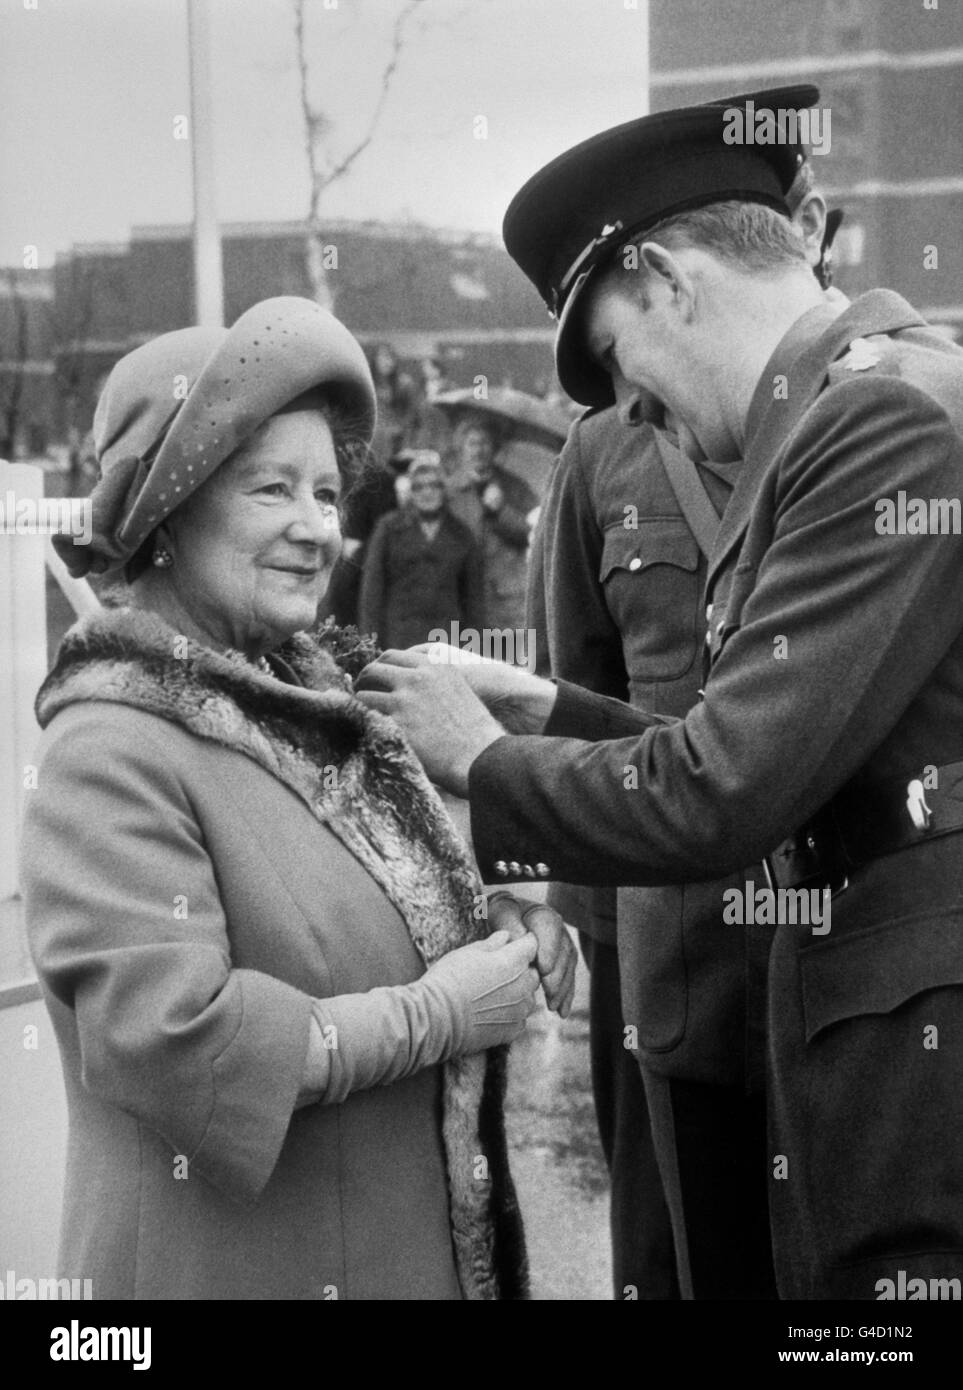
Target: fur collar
355	771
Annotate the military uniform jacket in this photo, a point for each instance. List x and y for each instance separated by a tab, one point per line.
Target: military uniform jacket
616	599
837	675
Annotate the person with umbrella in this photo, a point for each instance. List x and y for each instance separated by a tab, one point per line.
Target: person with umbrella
504	445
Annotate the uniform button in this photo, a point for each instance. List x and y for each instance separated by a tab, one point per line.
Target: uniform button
528	871
501	868
708	612
635	564
514	868
542	870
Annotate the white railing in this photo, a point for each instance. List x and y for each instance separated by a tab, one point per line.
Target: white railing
24	561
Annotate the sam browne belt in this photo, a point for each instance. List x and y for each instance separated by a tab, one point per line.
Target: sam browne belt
860	825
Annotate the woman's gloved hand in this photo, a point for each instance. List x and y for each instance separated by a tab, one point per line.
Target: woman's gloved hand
475	997
488	989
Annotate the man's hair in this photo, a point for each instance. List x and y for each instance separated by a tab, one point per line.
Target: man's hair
749	236
426	466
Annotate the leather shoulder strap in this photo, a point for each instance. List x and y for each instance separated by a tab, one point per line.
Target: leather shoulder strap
696	505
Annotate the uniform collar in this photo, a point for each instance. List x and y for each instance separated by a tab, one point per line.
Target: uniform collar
803	356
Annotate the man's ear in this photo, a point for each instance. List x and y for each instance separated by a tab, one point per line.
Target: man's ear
810	218
665	271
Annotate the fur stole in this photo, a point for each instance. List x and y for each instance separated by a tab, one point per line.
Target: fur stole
379	804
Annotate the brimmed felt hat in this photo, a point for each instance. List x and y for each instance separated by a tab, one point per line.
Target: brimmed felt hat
572	217
173	410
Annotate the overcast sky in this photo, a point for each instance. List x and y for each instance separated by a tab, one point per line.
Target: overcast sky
89	92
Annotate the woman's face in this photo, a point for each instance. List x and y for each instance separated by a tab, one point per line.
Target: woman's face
254	546
477	450
384	361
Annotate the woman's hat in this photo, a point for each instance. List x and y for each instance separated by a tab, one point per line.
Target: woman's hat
173	410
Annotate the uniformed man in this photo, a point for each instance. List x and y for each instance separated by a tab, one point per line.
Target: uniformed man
615	597
829	740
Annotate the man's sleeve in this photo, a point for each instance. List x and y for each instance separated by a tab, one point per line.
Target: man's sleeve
863	620
127	929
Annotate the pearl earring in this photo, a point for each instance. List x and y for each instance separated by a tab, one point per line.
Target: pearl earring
162	558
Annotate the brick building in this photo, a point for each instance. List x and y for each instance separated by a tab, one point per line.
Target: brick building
891	74
425	292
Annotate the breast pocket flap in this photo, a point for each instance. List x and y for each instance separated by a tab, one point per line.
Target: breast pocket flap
664	543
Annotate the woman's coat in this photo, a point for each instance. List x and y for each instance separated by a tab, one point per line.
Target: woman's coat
185	901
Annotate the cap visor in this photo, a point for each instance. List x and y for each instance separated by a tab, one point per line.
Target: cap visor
581	377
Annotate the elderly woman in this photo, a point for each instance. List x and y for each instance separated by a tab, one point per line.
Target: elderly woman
259	937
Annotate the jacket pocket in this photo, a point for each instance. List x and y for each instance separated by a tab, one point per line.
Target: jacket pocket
877	970
652	578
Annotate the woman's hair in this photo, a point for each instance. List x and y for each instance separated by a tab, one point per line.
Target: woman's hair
351	450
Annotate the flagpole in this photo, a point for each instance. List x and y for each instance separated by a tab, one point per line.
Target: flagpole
208	273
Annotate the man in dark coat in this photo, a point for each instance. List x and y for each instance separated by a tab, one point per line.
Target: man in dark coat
829	739
422	570
617	577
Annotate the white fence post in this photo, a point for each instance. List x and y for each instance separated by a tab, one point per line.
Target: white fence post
23	657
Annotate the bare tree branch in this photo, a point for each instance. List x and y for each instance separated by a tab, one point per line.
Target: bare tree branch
387	77
322	170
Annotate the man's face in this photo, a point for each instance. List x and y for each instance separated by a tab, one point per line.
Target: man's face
427	493
658	359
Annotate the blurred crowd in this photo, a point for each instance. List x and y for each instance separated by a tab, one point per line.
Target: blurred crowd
437	532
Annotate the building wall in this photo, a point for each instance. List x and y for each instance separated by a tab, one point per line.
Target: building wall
891	74
406	286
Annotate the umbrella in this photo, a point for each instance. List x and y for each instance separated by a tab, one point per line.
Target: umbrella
523	417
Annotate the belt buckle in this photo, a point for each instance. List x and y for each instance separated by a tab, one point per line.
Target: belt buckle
836	889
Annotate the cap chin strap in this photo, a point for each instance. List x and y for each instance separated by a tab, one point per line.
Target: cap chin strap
608	233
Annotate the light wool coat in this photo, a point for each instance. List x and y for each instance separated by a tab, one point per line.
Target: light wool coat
194	873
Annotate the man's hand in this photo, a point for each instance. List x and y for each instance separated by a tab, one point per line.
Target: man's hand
519	701
446	724
557	957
